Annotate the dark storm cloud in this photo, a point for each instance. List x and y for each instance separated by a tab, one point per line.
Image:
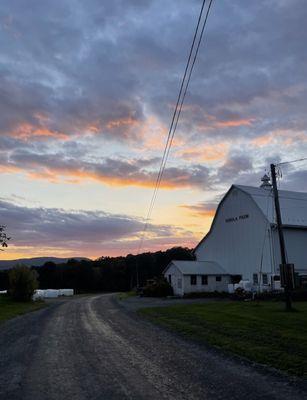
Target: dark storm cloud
52	227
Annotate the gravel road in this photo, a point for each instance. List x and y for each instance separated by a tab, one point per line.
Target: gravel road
92	348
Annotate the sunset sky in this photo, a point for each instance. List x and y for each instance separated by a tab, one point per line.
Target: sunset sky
87	92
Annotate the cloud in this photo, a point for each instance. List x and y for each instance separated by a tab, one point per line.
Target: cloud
71	69
202	209
118	172
90	232
87	91
208	152
234	167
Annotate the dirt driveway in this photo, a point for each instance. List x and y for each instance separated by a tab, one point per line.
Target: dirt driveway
93	348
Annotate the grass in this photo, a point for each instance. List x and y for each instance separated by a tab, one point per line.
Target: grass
126	295
10	309
262	332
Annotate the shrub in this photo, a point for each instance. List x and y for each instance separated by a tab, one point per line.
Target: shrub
22	283
158	288
241	294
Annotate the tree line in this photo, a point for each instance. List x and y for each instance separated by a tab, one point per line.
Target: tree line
105	274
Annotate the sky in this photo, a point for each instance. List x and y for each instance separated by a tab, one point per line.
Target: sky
87	91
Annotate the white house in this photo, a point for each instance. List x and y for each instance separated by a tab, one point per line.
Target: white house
196	276
242	242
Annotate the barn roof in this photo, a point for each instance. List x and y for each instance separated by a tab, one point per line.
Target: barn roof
198	267
293	204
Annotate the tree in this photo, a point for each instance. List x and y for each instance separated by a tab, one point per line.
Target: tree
3	237
22	283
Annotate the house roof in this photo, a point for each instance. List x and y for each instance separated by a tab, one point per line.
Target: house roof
198	267
293	205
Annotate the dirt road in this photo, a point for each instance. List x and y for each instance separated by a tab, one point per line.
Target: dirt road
91	348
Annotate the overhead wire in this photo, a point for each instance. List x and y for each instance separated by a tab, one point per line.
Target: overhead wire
177	111
291	162
158	180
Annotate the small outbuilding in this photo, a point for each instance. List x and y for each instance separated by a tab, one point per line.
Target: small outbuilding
196	276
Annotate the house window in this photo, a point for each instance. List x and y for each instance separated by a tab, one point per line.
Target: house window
170	279
255	279
179	283
265	279
193	279
204	279
218	278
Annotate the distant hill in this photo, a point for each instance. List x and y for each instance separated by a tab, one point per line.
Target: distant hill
36	261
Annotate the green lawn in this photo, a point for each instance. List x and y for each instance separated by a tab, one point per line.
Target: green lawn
10	308
262	332
126	295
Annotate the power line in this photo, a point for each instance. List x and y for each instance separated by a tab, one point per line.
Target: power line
177	111
291	162
158	180
187	84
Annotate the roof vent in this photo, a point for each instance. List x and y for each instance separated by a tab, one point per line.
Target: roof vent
266	184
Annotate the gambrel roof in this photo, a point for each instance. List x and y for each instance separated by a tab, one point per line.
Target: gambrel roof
293	205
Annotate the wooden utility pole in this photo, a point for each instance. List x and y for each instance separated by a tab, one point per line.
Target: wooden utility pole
281	238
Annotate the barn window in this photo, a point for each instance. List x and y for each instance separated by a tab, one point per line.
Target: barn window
204	279
193	279
218	278
265	279
179	283
255	279
170	279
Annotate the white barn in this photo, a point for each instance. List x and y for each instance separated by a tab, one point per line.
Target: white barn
242	242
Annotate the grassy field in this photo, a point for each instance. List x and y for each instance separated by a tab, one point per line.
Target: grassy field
262	332
126	295
10	308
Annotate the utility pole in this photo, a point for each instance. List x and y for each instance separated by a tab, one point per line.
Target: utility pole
137	272
281	239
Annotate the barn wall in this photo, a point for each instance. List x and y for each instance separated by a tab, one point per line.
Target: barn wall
211	287
296	247
238	235
176	276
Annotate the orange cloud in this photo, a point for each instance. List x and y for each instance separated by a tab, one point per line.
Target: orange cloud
206	210
234	123
284	137
26	130
76	176
262	141
212	122
207	153
122	122
153	134
9	169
